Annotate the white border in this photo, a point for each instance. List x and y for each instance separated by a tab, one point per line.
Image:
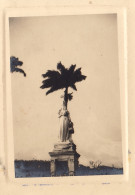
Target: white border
122	48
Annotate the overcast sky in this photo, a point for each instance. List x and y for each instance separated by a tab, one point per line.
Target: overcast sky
90	42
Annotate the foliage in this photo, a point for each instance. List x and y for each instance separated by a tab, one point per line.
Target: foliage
14	62
63	78
39	168
95	164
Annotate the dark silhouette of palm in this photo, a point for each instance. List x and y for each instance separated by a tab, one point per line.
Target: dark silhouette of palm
62	79
14	62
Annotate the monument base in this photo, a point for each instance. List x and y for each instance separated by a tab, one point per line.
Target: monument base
64	151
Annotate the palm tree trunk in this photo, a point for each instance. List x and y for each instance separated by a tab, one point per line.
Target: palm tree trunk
66	97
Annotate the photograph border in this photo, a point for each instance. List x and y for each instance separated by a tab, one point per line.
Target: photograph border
122	49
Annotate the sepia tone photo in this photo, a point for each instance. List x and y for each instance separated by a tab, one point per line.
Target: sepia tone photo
65	88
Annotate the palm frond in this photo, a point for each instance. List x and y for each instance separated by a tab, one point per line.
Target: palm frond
52	83
47	83
51	73
78	75
20	70
14	62
72	68
61	67
77	71
73	87
52	89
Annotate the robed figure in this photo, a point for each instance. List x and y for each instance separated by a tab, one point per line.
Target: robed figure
66	125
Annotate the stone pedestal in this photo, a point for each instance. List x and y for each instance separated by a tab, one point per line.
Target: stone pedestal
64	152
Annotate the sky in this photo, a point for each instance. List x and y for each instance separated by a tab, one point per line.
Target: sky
90	42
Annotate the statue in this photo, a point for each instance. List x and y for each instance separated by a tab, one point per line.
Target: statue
66	125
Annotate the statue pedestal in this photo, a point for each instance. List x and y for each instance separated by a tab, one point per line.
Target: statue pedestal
64	151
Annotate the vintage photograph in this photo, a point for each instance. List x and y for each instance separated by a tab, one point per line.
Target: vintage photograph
65	88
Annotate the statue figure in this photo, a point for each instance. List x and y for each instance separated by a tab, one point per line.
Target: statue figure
66	125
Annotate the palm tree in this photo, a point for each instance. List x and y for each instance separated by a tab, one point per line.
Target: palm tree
62	79
14	62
